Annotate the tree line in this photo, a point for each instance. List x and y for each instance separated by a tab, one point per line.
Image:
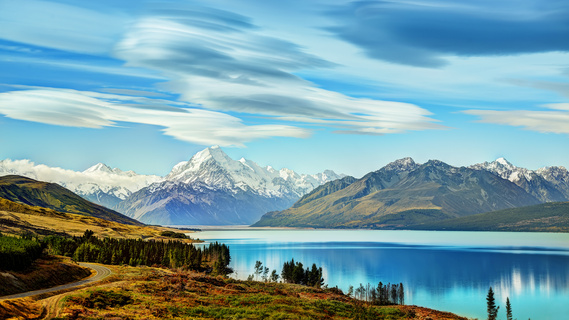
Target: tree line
214	258
18	253
292	272
383	294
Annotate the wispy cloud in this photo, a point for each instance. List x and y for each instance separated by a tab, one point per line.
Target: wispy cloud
555	120
426	33
73	108
223	62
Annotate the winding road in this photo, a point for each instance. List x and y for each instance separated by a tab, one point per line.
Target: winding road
100	274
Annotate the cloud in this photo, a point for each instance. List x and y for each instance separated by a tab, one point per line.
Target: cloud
66	107
221	61
59	26
541	121
425	33
74	180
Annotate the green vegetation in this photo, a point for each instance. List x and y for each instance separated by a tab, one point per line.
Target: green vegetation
172	234
382	295
53	196
491	305
546	217
171	254
101	299
295	273
18	253
156	294
508	310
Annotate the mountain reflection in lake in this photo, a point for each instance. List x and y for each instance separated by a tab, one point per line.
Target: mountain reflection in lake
450	271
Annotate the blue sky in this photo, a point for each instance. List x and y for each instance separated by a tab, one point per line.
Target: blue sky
308	85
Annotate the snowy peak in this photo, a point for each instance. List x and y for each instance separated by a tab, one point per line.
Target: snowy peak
506	170
214	168
503	162
99	167
400	165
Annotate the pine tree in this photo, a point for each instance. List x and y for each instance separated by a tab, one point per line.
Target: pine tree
491	305
508	309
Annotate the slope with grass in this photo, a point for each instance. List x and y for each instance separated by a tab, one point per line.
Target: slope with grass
151	293
17	218
53	196
547	217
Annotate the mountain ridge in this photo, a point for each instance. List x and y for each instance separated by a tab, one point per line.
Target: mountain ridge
32	192
415	191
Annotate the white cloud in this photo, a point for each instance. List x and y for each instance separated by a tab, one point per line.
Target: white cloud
232	67
541	121
77	181
73	108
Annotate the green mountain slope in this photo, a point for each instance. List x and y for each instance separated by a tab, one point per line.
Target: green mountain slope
53	196
430	192
548	217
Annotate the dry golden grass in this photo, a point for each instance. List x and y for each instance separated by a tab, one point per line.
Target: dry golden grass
16	218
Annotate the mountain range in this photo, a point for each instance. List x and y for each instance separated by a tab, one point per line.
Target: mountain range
404	193
209	189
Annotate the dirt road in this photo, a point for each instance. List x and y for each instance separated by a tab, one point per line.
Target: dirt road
100	274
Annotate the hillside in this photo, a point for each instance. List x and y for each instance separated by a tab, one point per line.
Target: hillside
400	194
152	293
17	218
53	196
547	217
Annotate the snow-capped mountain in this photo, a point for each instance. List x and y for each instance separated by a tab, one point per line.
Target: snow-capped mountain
546	184
213	168
99	183
212	188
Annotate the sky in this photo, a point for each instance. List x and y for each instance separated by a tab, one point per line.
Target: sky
308	85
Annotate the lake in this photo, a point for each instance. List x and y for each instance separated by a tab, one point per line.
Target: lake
448	271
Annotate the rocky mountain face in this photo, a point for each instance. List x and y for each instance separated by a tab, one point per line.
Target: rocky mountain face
99	184
213	189
405	193
547	184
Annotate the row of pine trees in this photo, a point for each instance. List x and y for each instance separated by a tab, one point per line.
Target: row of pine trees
19	253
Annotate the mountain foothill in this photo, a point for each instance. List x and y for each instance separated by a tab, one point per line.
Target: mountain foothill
213	189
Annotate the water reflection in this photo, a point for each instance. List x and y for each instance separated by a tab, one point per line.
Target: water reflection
448	277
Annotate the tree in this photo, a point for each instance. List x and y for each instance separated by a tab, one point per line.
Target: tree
266	274
491	305
508	309
350	291
258	269
274	276
401	294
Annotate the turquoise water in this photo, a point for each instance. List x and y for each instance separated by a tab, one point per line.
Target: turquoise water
449	271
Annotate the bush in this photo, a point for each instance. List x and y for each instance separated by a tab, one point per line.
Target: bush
103	299
172	234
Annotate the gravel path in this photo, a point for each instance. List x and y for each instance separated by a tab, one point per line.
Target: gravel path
101	273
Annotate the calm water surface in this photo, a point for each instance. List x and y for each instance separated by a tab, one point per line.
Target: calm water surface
449	271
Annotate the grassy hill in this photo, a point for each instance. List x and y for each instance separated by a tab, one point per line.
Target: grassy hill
152	293
17	218
53	196
547	217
